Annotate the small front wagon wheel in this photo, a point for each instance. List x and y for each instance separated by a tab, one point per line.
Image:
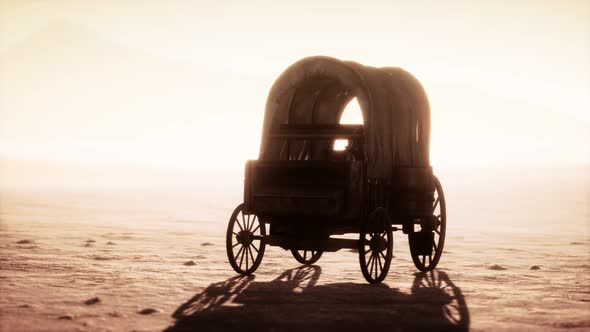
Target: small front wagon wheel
307	257
376	246
245	241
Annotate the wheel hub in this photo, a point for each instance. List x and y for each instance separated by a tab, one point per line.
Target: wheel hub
245	237
378	243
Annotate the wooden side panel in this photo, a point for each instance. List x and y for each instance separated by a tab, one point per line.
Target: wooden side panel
298	188
248	178
408	194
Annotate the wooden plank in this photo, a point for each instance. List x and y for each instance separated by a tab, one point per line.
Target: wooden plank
317	131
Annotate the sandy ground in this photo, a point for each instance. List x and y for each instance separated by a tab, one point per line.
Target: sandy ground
61	249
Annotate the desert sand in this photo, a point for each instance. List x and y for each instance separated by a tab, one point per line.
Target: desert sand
517	257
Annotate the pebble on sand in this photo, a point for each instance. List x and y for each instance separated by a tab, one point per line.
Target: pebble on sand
497	267
66	317
90	241
205	244
91	301
535	267
24	242
148	311
190	263
111	243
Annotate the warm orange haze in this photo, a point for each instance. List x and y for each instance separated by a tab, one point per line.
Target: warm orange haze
125	127
134	83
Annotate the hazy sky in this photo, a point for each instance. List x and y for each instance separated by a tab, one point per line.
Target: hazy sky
183	83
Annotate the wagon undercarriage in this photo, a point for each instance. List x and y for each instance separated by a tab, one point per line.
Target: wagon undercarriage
248	234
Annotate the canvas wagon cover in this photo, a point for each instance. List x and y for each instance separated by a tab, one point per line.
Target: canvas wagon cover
396	112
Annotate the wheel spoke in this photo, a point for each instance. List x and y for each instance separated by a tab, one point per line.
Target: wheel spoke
435	204
250	222
242	257
371	262
251	256
237	222
246	251
253	247
254	220
375	265
375	261
304	254
243	222
235	245
255	229
247	222
380	264
239	251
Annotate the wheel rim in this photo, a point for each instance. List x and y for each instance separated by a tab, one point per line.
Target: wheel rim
376	246
307	257
427	262
245	241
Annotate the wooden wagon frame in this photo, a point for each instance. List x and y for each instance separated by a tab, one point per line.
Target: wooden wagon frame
301	193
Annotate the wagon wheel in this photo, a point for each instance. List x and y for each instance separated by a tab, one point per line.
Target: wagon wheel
376	246
307	257
245	241
426	246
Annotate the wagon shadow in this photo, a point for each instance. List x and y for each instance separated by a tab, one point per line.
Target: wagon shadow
294	302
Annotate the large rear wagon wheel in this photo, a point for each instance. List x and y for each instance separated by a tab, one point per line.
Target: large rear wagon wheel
307	257
245	241
376	246
426	246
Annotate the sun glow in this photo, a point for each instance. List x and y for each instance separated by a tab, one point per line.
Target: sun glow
88	81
